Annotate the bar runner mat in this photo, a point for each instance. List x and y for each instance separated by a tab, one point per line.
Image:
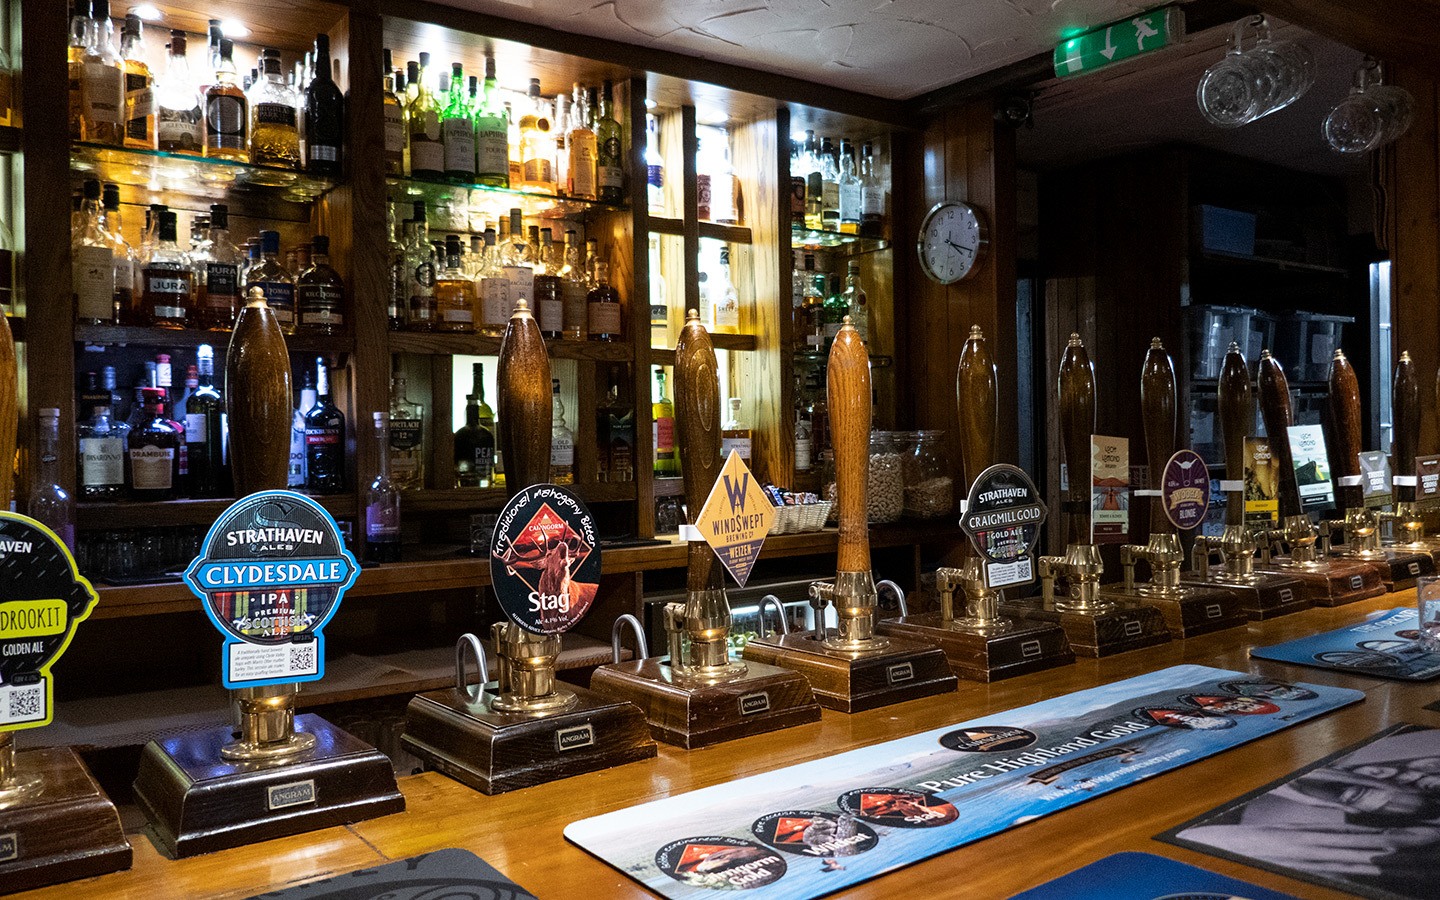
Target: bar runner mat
818	827
1365	820
450	874
1145	876
1385	645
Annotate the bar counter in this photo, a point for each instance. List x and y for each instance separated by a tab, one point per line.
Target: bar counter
520	833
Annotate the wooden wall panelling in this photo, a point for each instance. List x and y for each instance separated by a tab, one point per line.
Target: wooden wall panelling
1406	30
636	228
441	414
757	273
1410	222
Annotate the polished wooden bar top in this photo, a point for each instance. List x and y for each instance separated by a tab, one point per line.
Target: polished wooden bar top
521	833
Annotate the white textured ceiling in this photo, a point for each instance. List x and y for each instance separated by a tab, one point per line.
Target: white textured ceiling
890	48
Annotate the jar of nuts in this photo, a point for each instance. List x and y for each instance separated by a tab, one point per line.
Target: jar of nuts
929	486
885	499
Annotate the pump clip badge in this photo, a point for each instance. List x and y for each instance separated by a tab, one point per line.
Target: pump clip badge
1185	490
545	559
42	599
270	575
1002	517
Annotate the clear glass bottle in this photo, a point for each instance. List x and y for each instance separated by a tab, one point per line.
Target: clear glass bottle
324	439
654	168
324	120
549	291
830	186
609	154
850	190
602	306
179	127
659	302
872	197
296	477
457	129
393	115
492	134
102	90
574	290
407	430
139	86
812	300
274	123
518	261
121	255
79	40
217	270
167	278
455	304
662	427
206	458
724	299
49	503
856	303
320	292
101	455
92	262
274	280
227	110
537	144
803	440
398	300
155	451
560	152
735	434
581	146
420	265
562	440
814	183
494	289
382	503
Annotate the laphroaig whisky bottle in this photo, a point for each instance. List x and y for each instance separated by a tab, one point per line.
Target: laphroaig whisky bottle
217	268
155	452
457	129
227	110
407	423
167	278
382	504
274	125
492	135
179	128
455	305
139	86
324	439
320	292
562	440
204	419
427	148
662	428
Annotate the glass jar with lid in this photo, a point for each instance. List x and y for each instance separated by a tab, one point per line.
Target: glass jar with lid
929	486
885	499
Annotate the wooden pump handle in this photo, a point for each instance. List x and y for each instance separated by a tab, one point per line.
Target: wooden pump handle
522	386
1075	386
1406	418
1236	403
847	390
1342	415
1275	412
978	397
1157	409
258	398
697	420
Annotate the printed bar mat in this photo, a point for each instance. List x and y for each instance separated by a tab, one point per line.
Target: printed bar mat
449	874
1145	876
828	824
1365	820
1386	645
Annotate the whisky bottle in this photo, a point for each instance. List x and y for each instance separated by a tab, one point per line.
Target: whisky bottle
814	183
850	191
549	291
454	292
102	107
49	503
872	197
457	130
101	454
427	148
492	134
724	299
398	292
204	418
324	116
227	110
407	423
602	306
518	261
75	66
274	281
274	125
155	451
662	428
324	439
475	440
178	125
562	440
574	290
581	150
167	279
856	303
139	86
122	256
536	143
494	289
382	503
92	263
394	119
420	265
609	155
217	269
830	186
296	477
735	435
654	168
320	292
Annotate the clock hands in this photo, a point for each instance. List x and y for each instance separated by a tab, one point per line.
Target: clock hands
958	247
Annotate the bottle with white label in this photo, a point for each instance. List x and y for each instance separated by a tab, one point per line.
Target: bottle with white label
101	455
92	263
204	418
155	452
492	134
518	261
495	302
457	129
562	440
308	397
180	123
102	92
735	435
168	278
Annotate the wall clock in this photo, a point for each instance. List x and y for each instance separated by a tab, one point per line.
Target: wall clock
953	238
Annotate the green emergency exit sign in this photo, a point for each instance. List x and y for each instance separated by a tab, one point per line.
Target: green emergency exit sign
1111	43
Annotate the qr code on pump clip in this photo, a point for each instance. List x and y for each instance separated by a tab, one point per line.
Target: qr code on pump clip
302	659
26	704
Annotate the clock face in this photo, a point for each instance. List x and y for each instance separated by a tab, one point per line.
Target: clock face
952	240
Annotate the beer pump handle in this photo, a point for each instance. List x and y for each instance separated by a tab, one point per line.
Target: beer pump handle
1236	403
1157	410
259	402
697	420
1343	418
847	390
1406	436
978	396
1275	412
1076	389
524	403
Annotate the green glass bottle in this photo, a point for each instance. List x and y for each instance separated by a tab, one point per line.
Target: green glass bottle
457	129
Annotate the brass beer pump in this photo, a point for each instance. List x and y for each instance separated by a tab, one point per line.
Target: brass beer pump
1330	581
1399	568
699	695
1096	624
852	668
1189	609
526	727
1407	525
982	644
1263	595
